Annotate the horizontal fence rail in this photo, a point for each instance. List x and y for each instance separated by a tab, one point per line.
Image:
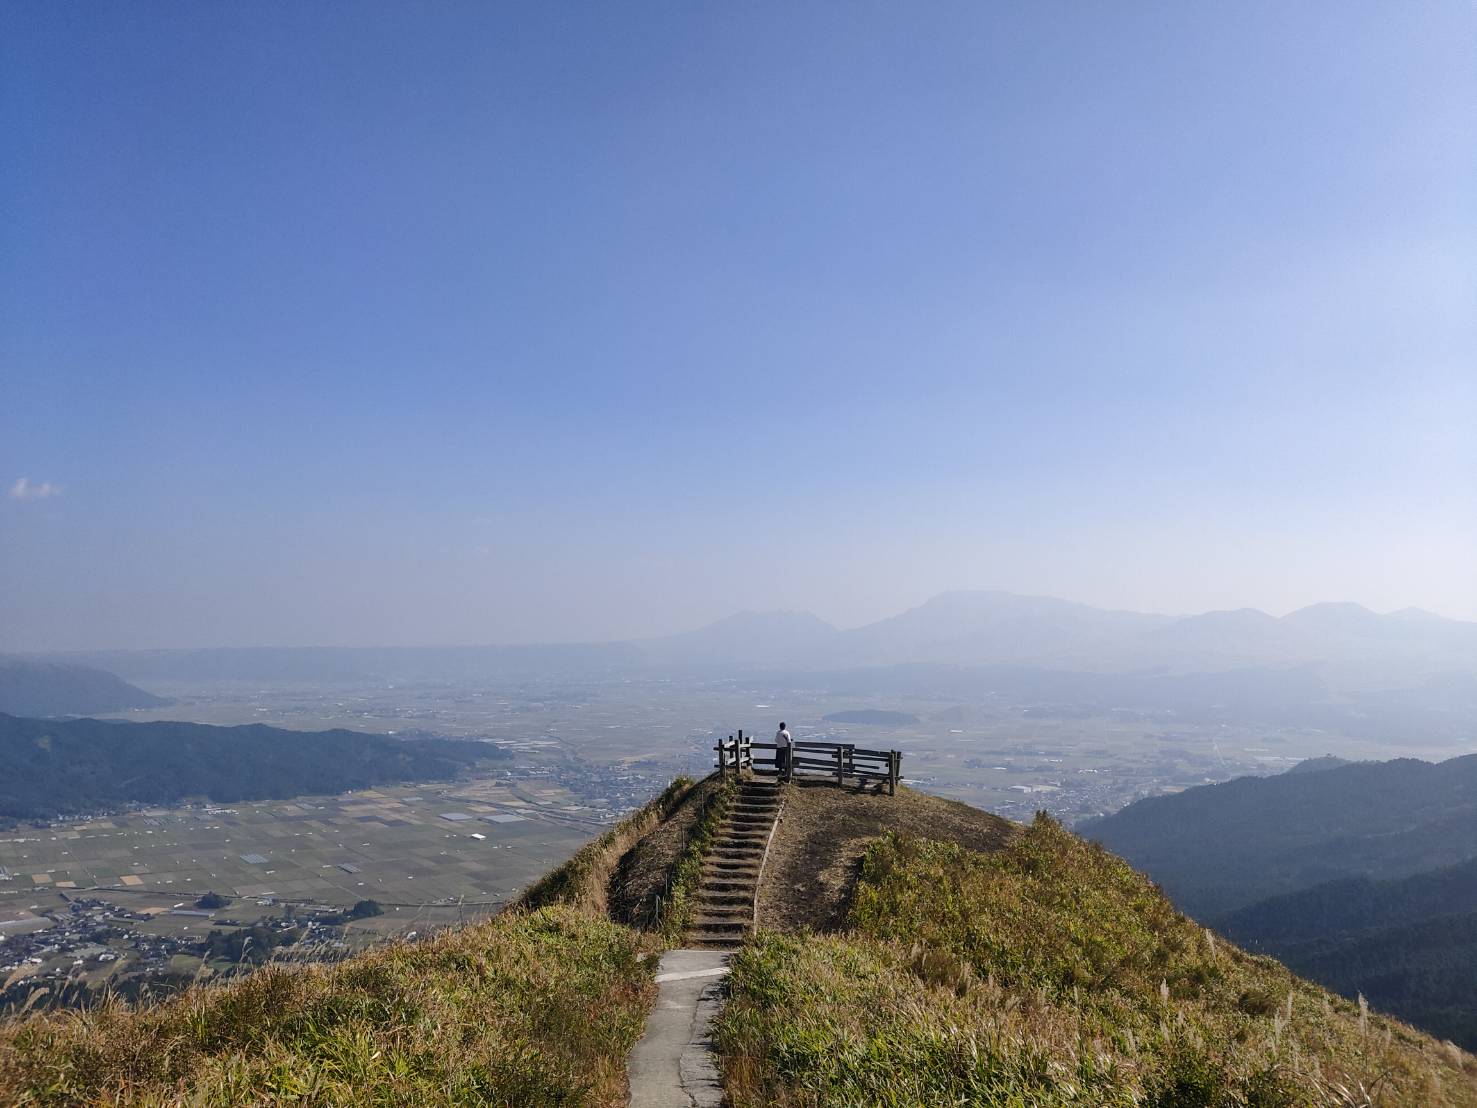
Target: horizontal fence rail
812	759
734	754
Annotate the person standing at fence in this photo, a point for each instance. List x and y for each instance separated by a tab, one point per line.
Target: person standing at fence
783	748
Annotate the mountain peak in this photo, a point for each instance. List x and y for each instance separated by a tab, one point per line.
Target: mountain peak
1332	611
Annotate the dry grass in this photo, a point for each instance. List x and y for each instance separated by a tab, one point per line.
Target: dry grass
526	1009
824	832
1049	973
538	1006
584	881
644	874
679	900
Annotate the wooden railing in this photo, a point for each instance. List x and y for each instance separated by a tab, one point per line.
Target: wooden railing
735	754
812	759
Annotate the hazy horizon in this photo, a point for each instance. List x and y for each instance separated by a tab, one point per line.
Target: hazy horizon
103	648
472	324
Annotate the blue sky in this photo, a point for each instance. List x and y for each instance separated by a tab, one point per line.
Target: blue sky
476	323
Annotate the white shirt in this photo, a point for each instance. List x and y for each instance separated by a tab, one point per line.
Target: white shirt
782	738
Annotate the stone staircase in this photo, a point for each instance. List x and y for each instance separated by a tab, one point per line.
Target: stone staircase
724	912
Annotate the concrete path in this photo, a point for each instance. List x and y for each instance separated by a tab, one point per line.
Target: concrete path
673	1066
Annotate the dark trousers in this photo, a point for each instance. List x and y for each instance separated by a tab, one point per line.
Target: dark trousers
782	762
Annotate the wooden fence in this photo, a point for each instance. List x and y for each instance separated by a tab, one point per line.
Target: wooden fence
811	759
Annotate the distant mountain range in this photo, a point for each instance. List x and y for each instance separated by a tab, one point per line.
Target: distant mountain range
35	688
1349	644
1362	876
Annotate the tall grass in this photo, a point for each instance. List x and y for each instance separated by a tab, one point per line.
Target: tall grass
538	1006
681	895
525	1009
584	881
1049	973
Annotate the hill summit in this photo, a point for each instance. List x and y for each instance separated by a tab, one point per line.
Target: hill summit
909	950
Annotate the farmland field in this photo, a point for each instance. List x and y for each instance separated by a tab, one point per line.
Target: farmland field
393	845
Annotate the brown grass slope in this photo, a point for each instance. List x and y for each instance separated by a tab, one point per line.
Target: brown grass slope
823	835
538	1006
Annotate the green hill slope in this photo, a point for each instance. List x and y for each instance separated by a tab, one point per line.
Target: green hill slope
1410	946
1340	908
32	688
1218	848
1048	973
56	767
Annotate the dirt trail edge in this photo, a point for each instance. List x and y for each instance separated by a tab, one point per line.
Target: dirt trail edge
673	1066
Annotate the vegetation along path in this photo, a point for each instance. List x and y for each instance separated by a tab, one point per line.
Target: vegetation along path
673	1066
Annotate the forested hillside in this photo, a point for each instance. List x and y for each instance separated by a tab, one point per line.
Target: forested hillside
1410	946
1362	877
56	767
1219	848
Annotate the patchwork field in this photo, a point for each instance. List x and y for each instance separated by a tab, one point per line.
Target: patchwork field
471	845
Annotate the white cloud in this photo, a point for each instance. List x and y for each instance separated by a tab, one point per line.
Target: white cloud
24	489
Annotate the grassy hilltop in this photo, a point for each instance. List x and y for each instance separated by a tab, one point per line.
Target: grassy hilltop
916	952
1049	973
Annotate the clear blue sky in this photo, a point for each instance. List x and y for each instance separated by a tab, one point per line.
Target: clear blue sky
370	323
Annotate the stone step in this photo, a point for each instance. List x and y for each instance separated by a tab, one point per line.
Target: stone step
745	879
725	901
730	925
704	940
733	913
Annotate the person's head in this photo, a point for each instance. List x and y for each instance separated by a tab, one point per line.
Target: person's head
782	725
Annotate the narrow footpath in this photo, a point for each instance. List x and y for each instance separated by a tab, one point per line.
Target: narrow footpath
674	1065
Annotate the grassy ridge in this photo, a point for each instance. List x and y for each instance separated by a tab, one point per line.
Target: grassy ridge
1049	973
526	1009
584	881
